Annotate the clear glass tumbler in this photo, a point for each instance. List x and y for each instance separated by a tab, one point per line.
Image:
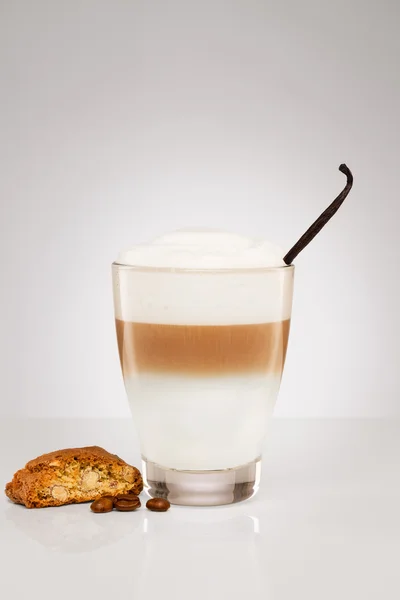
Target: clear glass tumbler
202	354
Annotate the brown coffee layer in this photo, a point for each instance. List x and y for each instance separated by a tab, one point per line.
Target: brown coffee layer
202	349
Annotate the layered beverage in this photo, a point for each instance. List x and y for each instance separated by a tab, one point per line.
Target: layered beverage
202	323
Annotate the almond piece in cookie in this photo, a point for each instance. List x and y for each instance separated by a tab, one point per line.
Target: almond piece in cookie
73	475
59	493
90	480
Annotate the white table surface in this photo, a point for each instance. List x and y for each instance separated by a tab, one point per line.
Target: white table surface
324	525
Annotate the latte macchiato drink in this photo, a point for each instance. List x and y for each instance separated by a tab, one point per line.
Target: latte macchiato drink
202	321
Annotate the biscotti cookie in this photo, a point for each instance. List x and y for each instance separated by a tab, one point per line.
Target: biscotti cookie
72	475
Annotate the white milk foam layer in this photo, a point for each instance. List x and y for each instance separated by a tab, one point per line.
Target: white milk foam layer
203	278
201	423
204	249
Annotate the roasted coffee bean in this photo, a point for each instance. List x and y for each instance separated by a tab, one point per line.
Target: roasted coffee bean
158	504
102	505
134	501
127	504
128	498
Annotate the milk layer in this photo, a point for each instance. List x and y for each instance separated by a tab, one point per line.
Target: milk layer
190	423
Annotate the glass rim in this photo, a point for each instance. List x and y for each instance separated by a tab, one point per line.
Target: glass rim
188	270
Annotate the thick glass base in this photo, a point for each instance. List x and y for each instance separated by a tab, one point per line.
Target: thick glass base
202	488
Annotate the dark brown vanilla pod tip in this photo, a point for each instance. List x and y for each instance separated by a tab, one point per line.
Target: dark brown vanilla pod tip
322	220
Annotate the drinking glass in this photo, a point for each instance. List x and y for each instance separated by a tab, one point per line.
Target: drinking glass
202	354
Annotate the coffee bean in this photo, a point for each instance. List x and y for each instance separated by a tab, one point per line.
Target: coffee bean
158	504
127	504
129	497
102	505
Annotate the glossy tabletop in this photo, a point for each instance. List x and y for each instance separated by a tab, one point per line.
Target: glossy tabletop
324	525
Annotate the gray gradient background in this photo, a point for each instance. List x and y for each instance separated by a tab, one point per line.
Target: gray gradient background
123	119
